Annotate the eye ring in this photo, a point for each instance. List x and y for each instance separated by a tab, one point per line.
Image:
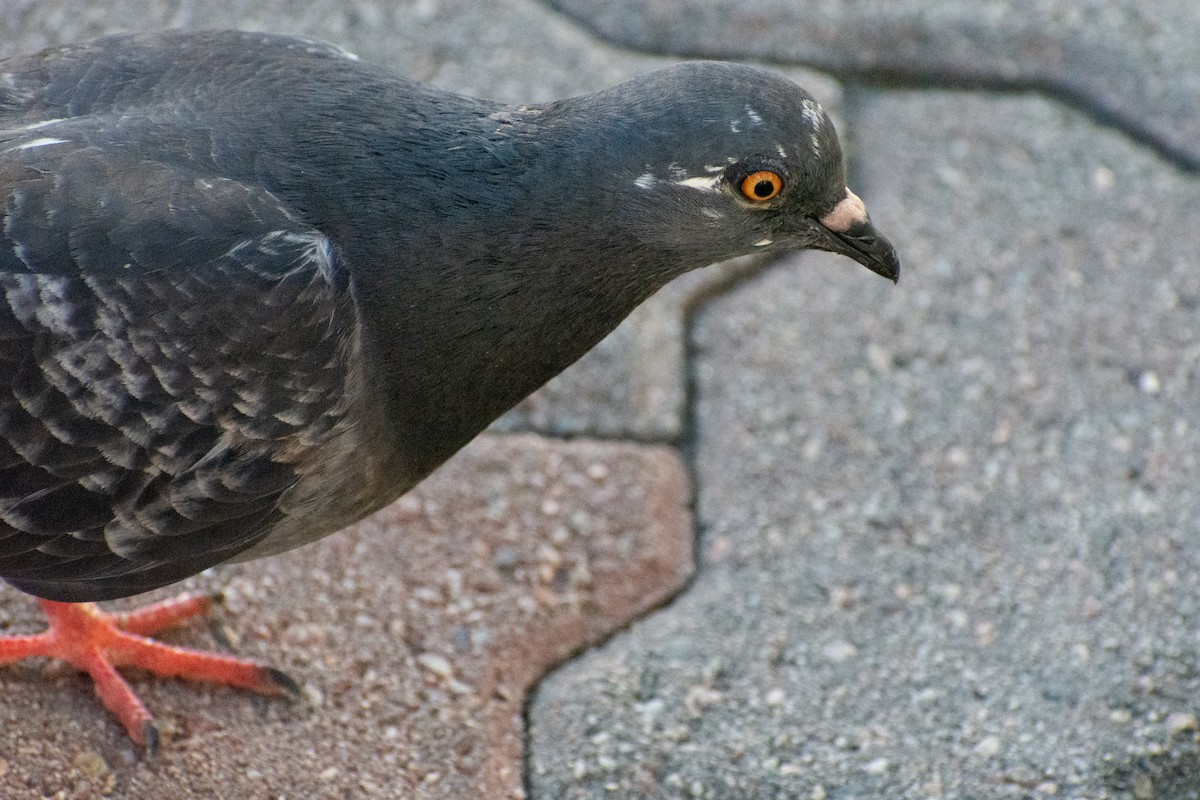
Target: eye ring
761	186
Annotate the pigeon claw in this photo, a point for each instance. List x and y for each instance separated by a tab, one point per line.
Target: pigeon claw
284	683
149	737
97	642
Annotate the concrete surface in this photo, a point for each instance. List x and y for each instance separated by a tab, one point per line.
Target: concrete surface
948	532
1130	63
414	634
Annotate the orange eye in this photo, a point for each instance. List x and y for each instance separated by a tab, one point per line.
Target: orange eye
758	187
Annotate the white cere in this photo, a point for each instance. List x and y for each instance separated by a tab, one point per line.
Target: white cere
846	213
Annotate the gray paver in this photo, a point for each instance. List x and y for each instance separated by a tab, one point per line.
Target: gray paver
1129	60
951	530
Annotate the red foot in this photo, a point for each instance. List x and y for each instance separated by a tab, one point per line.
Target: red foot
96	642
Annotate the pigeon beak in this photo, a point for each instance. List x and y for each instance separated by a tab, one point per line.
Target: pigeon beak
849	232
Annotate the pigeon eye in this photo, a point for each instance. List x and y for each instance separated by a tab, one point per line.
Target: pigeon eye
761	186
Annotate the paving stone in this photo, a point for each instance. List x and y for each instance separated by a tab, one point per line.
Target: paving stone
951	530
1133	61
415	635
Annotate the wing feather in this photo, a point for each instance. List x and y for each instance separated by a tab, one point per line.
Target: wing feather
174	351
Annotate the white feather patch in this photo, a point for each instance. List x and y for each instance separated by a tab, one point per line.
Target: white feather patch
812	113
33	126
32	143
708	184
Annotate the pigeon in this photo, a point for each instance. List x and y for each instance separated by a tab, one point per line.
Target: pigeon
253	289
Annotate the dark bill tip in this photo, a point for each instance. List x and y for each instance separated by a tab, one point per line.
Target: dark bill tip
861	242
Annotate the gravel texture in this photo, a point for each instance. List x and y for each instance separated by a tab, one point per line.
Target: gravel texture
414	634
949	529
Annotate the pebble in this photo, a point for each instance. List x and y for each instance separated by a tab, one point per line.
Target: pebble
1103	179
877	767
988	747
1180	722
506	559
840	651
438	665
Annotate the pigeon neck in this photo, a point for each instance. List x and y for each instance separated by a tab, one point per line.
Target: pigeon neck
515	322
499	246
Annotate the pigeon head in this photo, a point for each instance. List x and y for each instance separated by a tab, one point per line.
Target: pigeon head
714	160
